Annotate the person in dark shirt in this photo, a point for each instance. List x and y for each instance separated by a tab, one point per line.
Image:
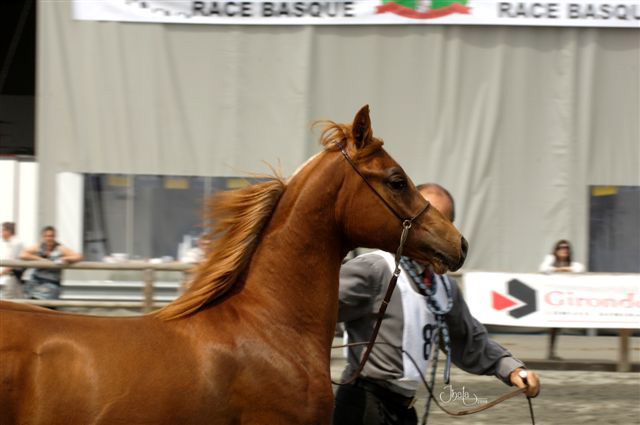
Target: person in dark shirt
44	284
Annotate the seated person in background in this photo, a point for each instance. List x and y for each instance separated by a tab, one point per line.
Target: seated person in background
196	254
44	284
560	260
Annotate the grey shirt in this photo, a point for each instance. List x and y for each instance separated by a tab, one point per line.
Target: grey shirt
363	283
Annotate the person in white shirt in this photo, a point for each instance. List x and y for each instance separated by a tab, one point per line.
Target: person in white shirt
559	261
196	254
10	248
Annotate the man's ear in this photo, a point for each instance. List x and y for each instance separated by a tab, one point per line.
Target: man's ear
361	128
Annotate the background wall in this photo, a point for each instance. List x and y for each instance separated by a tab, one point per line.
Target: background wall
516	121
18	197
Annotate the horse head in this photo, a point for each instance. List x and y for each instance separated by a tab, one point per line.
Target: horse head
377	197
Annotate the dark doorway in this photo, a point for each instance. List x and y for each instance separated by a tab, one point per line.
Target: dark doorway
17	77
614	229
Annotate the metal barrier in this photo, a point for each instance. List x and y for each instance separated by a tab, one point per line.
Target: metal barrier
148	277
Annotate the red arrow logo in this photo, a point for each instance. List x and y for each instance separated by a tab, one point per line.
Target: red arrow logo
500	302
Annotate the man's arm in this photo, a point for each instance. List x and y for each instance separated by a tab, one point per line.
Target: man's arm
471	348
473	351
69	256
547	264
31	253
360	281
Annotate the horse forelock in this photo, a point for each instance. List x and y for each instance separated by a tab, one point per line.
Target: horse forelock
239	218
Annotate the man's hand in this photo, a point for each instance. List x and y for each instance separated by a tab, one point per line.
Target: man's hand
532	383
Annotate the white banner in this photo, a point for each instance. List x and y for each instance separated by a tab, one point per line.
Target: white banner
574	13
561	300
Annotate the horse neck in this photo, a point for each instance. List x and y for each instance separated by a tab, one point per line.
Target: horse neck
293	276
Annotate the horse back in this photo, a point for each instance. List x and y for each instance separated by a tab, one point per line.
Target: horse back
60	368
85	369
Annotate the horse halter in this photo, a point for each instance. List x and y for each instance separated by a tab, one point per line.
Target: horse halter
406	226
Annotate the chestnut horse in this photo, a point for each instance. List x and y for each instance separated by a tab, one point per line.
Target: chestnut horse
249	342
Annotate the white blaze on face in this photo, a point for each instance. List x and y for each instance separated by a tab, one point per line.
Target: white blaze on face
302	166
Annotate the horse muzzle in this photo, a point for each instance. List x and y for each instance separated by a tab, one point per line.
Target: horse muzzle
452	263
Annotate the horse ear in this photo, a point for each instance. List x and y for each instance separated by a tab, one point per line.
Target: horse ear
361	128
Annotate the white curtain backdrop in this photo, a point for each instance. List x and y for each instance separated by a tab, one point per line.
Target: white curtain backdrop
516	122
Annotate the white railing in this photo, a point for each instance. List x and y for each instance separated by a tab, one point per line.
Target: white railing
148	278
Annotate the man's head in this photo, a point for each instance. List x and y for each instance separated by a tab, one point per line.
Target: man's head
8	230
49	235
440	198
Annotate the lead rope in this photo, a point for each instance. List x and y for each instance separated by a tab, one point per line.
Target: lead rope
429	388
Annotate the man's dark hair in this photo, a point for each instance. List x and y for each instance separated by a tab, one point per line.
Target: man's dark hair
436	186
47	228
9	226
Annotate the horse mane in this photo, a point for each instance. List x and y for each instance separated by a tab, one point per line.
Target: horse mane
239	218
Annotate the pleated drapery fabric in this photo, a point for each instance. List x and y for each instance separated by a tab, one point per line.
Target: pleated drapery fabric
516	122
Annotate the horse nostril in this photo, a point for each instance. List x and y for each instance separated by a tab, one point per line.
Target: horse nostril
464	246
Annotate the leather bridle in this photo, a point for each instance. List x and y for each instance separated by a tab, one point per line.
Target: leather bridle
405	221
406	226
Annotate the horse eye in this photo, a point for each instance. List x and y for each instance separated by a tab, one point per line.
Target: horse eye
398	184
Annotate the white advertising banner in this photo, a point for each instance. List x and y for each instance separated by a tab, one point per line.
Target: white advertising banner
561	300
573	13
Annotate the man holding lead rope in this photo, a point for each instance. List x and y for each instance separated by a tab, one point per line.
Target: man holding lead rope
427	312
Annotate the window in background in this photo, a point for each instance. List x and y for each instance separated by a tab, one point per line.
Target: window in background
146	216
614	229
106	211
